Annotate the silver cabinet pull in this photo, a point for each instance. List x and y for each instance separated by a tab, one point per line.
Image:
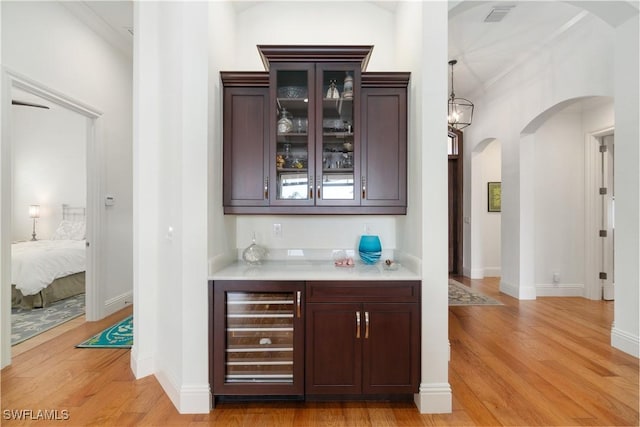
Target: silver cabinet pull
364	187
366	324
299	303
357	324
318	192
266	187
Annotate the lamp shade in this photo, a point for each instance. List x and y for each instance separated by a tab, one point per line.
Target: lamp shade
34	211
460	110
460	113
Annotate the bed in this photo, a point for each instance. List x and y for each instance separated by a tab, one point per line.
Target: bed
46	271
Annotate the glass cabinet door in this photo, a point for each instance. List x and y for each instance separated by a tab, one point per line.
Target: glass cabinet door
293	158
336	151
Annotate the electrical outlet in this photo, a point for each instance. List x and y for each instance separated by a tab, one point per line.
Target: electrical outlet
277	230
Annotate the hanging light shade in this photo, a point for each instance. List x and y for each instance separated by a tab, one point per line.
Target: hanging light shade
460	111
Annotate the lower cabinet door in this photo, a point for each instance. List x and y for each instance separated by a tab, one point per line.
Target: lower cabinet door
333	350
391	348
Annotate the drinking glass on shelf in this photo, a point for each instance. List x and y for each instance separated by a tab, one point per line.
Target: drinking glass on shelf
299	125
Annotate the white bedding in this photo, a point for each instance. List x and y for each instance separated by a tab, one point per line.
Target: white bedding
34	265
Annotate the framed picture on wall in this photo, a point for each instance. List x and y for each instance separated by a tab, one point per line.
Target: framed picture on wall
494	197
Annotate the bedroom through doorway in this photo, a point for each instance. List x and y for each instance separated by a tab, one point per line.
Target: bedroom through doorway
54	186
48	232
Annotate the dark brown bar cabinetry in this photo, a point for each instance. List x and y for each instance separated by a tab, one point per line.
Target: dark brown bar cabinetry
315	134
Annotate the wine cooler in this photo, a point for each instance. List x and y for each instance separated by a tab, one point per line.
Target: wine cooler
257	338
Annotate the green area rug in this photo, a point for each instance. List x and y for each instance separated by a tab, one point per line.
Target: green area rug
26	324
119	335
460	294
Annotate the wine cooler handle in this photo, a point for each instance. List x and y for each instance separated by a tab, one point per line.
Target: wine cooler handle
357	324
366	324
299	303
266	187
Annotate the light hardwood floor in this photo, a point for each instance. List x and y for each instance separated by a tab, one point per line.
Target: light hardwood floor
543	362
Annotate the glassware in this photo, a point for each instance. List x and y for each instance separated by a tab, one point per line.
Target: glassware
254	254
347	90
369	248
284	124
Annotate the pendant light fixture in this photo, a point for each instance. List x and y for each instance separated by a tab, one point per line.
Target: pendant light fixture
460	111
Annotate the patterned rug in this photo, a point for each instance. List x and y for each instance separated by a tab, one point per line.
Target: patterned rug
119	335
26	324
460	294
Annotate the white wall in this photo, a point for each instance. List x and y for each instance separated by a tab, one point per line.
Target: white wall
289	22
593	59
49	167
45	43
625	333
580	63
221	228
489	160
559	203
170	196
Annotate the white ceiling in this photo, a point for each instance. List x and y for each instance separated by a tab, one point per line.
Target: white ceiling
485	51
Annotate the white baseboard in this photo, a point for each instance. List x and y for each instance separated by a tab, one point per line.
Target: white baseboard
560	290
492	272
188	399
117	303
476	273
434	398
140	366
521	293
625	341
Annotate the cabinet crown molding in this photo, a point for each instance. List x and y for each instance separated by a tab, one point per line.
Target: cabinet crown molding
245	78
315	53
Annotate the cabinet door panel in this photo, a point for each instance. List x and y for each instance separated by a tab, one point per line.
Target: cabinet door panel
333	349
391	348
384	148
246	146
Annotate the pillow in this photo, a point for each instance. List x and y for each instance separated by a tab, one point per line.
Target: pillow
70	230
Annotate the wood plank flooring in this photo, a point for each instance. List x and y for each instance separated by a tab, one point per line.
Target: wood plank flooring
544	362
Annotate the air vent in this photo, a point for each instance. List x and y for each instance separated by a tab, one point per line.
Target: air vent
498	13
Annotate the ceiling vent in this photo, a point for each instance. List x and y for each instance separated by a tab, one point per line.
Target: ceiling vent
498	13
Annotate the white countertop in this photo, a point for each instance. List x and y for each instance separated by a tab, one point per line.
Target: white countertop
311	270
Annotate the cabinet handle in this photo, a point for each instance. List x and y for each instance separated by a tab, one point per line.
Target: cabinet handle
266	187
357	324
299	303
366	324
364	187
318	191
311	188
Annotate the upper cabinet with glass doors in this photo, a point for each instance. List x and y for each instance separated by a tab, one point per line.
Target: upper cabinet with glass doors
312	157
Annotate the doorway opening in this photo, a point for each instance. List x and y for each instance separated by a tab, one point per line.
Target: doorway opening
38	94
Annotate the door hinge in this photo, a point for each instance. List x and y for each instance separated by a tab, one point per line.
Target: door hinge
603	233
603	148
603	275
603	190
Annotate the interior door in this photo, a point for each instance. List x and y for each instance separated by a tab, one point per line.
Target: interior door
607	228
455	167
